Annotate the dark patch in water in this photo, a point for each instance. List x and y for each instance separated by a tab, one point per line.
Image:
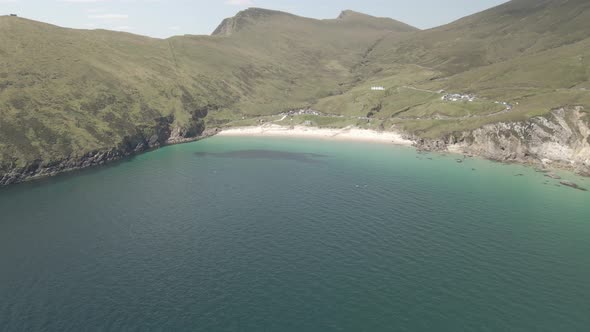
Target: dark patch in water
266	154
573	185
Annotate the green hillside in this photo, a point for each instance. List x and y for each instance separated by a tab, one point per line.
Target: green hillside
64	92
532	55
516	28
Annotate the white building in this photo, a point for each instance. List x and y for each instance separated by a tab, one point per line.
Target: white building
459	97
377	88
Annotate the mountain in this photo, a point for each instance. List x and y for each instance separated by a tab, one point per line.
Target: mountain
256	17
524	64
248	18
70	98
516	28
530	54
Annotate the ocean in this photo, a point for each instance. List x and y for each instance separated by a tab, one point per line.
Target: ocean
285	234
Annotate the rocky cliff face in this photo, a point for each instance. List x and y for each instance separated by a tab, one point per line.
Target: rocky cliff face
162	132
245	18
561	139
226	28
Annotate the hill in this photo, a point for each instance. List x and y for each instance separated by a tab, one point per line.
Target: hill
530	55
516	28
68	94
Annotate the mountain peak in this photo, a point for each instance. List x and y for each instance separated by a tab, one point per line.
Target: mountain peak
351	14
251	15
255	11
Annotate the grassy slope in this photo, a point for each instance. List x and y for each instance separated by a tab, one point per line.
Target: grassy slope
532	54
66	92
302	61
516	28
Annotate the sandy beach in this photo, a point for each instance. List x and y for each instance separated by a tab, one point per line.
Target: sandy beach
345	134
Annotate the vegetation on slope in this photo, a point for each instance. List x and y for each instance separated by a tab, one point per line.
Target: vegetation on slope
532	55
516	28
66	92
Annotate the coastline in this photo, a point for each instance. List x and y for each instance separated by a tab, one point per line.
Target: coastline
343	134
352	133
41	170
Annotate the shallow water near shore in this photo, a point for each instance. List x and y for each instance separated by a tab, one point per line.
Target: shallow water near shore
281	234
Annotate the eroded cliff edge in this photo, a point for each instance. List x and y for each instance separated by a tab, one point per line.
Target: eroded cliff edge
164	131
560	139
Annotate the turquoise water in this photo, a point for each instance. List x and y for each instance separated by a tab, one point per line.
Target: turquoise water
252	234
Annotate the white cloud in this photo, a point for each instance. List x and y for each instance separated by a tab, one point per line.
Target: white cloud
109	16
239	2
175	28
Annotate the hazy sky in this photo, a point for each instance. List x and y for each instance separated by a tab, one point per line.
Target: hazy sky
163	18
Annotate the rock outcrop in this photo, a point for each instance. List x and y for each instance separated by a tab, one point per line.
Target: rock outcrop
560	139
245	18
163	132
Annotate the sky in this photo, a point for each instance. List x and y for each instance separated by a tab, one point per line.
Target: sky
164	18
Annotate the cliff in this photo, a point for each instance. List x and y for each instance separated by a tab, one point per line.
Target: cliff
560	139
163	132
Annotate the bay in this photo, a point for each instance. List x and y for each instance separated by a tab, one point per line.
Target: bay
258	234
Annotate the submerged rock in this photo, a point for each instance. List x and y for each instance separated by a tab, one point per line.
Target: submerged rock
572	185
553	176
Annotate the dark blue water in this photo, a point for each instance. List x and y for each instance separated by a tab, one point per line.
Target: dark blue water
247	234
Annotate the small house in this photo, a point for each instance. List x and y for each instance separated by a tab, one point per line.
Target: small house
13	15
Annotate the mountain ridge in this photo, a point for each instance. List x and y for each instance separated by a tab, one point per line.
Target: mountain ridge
254	15
497	34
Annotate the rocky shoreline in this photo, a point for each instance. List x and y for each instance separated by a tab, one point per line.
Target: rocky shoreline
559	140
161	132
41	169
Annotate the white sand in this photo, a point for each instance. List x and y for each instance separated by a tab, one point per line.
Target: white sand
348	133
